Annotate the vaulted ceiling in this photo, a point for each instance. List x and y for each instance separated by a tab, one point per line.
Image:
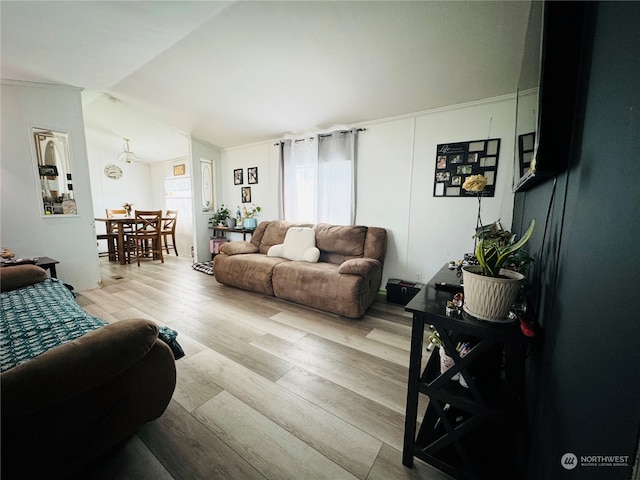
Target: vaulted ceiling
234	73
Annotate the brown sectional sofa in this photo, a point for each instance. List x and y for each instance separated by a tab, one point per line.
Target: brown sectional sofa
64	407
345	280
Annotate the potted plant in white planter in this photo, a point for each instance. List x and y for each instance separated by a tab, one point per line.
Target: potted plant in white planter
492	286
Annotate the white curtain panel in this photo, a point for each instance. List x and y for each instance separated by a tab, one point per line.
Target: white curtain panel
300	173
336	178
318	178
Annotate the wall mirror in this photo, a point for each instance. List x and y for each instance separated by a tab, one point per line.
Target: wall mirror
53	163
207	177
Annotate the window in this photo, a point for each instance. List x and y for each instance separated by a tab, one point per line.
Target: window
318	178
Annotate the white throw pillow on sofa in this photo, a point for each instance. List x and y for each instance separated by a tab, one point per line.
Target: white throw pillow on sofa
299	244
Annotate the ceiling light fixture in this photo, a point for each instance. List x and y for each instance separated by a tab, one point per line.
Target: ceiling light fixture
127	156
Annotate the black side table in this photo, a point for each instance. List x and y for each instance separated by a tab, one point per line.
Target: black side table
43	262
468	432
243	231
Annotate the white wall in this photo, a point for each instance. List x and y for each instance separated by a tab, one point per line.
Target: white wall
395	175
441	229
263	194
133	187
70	239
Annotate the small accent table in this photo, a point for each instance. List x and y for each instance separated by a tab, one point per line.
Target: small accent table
469	431
43	262
243	231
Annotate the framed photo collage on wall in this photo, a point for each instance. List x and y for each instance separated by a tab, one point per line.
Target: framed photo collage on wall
456	161
252	179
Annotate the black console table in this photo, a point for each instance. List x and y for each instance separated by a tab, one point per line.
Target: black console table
468	432
243	231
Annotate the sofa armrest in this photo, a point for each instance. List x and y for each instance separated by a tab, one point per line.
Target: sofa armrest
76	367
359	266
238	247
18	276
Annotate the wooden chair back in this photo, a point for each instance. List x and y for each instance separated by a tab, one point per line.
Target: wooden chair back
111	213
148	222
116	213
169	228
147	233
169	222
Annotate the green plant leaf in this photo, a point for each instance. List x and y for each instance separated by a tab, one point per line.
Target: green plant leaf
493	251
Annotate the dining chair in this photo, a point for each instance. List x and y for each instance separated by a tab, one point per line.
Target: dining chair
147	235
111	239
127	230
169	228
112	213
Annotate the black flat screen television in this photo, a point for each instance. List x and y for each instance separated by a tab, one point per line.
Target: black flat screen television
548	91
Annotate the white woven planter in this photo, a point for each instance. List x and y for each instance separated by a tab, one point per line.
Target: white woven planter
490	298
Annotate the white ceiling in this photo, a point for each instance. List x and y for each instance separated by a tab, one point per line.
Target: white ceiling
235	73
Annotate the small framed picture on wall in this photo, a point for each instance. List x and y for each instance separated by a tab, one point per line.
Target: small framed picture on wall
238	177
246	194
252	175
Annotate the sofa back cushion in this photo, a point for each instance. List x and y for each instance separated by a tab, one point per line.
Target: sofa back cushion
274	233
299	245
338	243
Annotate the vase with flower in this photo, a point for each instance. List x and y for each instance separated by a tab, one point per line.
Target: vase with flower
250	214
492	286
127	208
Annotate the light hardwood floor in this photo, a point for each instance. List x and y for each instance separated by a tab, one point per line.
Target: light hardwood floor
267	389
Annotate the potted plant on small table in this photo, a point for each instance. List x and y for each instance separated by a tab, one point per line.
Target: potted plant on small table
220	216
492	286
250	214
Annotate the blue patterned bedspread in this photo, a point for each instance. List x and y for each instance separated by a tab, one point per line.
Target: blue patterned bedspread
37	318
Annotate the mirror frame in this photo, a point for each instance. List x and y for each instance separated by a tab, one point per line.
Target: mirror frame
561	61
52	161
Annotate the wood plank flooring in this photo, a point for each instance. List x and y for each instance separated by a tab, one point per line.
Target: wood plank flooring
267	389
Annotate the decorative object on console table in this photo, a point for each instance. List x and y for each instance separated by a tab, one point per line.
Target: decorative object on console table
220	216
250	214
491	288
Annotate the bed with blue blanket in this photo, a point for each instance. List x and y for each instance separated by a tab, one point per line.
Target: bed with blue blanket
73	385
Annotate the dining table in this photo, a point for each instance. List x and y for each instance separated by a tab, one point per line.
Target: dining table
121	223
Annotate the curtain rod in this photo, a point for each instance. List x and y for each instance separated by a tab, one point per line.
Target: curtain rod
321	135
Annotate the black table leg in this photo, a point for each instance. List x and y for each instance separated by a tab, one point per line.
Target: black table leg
415	363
